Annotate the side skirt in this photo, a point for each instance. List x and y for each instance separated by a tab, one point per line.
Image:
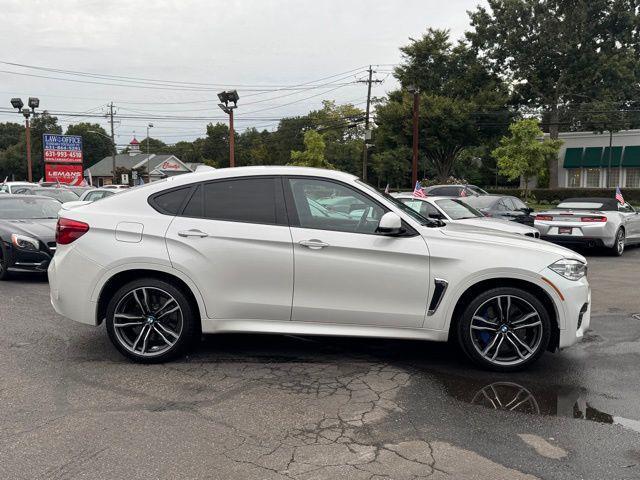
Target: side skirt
326	329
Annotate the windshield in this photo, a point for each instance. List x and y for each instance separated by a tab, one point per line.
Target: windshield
405	208
480	202
28	208
57	193
457	210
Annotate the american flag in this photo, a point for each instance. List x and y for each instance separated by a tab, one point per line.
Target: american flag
463	193
386	190
619	196
418	192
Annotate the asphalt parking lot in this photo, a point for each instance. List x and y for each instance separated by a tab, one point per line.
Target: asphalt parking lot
284	407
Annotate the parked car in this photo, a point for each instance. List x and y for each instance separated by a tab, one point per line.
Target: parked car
455	211
90	196
62	195
240	250
27	231
340	203
10	187
79	190
591	222
503	207
454	190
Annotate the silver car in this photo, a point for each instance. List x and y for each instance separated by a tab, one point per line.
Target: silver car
591	222
452	210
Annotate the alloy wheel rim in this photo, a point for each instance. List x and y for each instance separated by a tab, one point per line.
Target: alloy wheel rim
621	242
148	321
506	330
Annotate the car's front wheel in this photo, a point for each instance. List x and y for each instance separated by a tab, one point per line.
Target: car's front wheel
504	329
150	321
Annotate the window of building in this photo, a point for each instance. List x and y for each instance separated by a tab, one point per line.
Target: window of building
592	177
633	178
573	178
614	179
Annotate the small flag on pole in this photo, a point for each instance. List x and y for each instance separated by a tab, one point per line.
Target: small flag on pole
90	177
418	192
5	180
386	189
463	193
619	196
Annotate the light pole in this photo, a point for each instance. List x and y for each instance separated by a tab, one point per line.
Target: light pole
33	104
113	152
225	98
416	110
150	125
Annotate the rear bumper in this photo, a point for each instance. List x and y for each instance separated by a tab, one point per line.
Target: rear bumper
574	241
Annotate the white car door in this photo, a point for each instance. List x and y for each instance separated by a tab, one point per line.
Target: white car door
232	239
346	273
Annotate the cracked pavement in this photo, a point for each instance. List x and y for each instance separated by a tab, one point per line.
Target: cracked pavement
288	407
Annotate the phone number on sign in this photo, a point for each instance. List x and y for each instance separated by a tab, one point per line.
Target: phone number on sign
63	155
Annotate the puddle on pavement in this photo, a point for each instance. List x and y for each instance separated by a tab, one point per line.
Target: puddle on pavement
514	397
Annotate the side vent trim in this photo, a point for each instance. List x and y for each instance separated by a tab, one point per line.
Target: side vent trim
440	286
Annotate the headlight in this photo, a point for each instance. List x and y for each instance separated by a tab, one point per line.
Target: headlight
25	243
571	269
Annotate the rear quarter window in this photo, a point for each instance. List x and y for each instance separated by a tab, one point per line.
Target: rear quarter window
170	202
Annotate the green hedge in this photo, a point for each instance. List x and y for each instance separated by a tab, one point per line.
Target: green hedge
551	195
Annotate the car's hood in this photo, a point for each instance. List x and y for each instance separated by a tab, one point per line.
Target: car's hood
497	224
496	239
42	229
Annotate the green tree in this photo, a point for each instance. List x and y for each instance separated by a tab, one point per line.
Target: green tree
216	144
10	134
94	146
313	154
557	53
463	105
524	153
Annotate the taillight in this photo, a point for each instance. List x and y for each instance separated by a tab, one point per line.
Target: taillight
593	219
68	231
544	218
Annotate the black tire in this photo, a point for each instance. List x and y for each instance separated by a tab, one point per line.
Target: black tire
540	334
4	273
186	335
618	245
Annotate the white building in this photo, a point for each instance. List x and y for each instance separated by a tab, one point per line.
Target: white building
584	159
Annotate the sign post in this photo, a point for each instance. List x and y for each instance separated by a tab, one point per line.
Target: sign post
63	158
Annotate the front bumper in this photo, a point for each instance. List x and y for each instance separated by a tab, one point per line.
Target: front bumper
18	260
574	311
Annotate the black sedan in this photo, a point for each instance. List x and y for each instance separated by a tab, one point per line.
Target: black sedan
502	206
27	233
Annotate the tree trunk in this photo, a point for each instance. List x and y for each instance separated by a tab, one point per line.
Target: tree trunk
553	134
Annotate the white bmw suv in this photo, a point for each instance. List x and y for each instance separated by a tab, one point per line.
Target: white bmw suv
261	249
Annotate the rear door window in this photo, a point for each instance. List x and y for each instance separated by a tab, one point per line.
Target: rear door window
170	202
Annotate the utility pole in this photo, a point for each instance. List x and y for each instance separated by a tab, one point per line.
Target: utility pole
230	96
416	112
367	133
28	138
232	141
113	142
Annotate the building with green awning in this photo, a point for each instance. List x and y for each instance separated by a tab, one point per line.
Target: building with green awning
586	160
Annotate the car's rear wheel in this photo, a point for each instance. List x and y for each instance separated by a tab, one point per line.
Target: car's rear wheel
150	321
504	329
618	245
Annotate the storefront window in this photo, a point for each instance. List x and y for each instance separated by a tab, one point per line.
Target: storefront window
593	177
573	178
633	178
614	181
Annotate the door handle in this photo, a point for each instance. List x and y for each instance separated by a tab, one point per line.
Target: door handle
313	244
193	233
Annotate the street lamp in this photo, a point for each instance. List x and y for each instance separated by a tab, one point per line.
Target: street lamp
113	152
27	112
148	171
225	98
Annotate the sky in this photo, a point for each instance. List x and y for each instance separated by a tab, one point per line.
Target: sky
274	52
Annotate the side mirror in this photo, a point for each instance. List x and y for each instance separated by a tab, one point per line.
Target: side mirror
390	224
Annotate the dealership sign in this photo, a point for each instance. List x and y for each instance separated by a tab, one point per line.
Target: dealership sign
69	174
62	148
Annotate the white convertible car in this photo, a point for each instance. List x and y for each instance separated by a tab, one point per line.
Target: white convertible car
246	250
452	210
